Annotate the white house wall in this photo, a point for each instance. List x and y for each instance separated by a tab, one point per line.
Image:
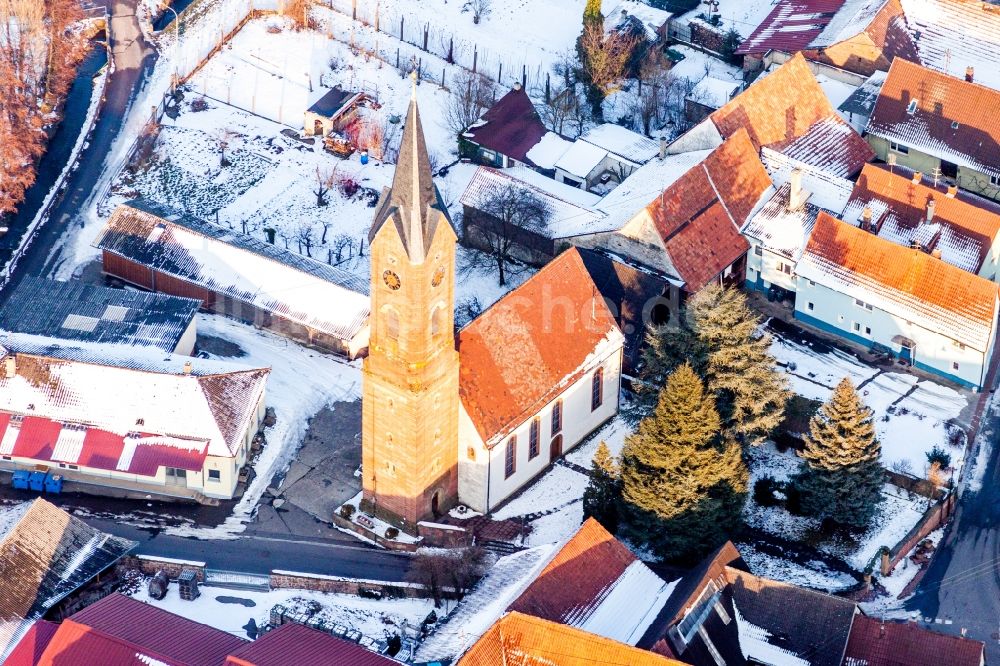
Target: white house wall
638	240
837	313
764	269
482	485
185	346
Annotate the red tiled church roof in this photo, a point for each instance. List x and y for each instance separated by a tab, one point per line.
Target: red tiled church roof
524	350
699	216
512	126
876	643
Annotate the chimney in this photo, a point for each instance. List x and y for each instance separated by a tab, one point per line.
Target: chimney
187	367
891	159
663	147
517	85
936	253
10	366
796	196
917	177
866	219
930	211
952	191
970	73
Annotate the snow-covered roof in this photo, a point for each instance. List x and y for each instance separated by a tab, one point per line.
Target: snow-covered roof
571	209
324	298
46	554
795	25
827	145
782	229
641	186
76	310
755	645
651	18
713	92
827	191
581	159
907	283
622	143
951	35
548	150
85	404
944	116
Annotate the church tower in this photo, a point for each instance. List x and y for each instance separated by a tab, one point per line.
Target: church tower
410	408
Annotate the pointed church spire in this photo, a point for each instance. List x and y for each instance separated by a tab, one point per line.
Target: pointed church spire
411	202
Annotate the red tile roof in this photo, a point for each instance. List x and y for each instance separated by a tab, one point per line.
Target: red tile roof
877	643
136	627
512	126
295	644
29	650
521	639
952	119
780	111
791	26
524	350
961	303
700	215
584	568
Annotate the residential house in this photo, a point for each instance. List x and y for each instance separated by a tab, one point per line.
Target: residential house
604	156
540	370
570	209
901	300
640	18
858	106
786	111
504	134
52	561
860	36
708	95
517	637
128	418
161	249
332	112
637	296
953	35
300	645
92	313
779	231
690	230
909	209
875	642
939	125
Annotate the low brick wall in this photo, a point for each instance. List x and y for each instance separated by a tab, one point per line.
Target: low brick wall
358	586
444	536
361	530
933	518
149	565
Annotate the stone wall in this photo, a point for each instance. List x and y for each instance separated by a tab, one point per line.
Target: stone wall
358	586
149	565
935	517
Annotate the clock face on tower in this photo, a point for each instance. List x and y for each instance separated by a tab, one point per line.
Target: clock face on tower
438	276
391	280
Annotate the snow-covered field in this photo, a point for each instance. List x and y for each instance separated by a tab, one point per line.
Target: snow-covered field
911	414
373	618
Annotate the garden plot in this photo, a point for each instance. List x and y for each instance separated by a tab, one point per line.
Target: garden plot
912	415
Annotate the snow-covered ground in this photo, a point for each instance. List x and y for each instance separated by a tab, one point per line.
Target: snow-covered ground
301	383
741	15
375	619
911	414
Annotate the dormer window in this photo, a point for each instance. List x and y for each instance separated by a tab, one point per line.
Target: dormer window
954	124
911	108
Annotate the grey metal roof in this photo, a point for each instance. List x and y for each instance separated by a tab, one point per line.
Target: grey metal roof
92	313
330	103
862	100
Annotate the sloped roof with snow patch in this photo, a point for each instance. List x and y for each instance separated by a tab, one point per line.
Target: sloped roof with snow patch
622	142
951	35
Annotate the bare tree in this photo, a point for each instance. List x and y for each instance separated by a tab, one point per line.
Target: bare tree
605	55
297	10
342	242
304	237
560	109
503	218
326	178
433	571
471	95
224	136
480	9
458	570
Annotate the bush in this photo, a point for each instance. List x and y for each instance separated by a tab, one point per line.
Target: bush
391	533
793	501
939	456
347	511
764	489
348	186
199	104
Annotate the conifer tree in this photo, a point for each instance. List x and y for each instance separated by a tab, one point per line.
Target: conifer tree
600	499
841	477
666	348
683	486
739	369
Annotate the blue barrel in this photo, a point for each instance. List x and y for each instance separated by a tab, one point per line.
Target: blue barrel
20	480
37	481
53	483
364	157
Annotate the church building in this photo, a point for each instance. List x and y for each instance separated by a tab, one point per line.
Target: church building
472	422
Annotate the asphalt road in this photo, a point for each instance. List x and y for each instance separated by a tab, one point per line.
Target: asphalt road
962	586
260	554
133	57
